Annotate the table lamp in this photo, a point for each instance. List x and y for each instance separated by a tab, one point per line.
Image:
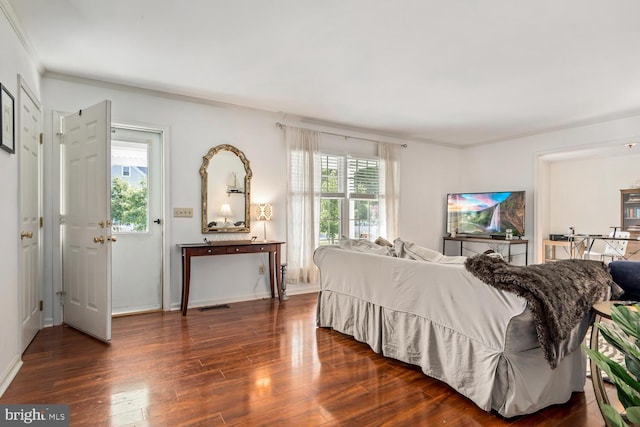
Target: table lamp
264	211
225	211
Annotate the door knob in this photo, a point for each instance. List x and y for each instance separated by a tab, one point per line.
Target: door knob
27	234
98	239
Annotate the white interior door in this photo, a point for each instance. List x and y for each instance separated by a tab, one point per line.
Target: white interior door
29	158
136	214
86	211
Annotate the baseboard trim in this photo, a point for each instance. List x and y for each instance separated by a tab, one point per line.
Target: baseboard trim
292	289
11	373
302	289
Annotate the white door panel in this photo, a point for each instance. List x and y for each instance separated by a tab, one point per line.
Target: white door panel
86	250
29	156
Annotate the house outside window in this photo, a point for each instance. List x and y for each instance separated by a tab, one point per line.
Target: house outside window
126	171
349	198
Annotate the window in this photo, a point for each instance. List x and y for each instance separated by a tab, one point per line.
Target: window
349	198
363	198
332	185
129	196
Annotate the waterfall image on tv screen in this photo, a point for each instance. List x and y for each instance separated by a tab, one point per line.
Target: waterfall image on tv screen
486	213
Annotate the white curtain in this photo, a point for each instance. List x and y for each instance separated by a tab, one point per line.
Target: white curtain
303	203
389	188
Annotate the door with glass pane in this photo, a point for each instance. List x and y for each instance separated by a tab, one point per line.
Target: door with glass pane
136	214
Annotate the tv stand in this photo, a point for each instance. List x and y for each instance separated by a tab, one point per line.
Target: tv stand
489	242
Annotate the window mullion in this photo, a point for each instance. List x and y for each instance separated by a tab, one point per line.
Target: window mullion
345	200
344	217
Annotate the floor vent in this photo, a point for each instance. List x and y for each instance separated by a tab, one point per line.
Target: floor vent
213	307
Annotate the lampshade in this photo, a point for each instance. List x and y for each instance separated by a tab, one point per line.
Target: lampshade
225	210
264	212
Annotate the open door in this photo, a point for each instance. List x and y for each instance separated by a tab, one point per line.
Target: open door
30	211
86	214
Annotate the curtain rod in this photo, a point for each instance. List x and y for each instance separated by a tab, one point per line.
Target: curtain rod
281	126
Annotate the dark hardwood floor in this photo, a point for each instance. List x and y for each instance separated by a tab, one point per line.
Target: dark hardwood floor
254	363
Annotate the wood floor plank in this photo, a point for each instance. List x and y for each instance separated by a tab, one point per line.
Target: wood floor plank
255	363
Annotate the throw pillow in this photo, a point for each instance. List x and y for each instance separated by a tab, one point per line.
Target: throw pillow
383	242
410	250
364	245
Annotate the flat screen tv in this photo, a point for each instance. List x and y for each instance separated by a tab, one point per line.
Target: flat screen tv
486	214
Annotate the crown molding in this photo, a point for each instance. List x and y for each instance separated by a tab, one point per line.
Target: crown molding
289	117
551	129
277	115
151	92
367	131
15	23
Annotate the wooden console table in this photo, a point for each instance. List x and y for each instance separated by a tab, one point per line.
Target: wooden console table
488	241
229	247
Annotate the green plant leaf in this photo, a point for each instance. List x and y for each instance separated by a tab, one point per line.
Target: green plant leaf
628	319
614	418
626	396
622	336
626	385
632	365
633	413
619	340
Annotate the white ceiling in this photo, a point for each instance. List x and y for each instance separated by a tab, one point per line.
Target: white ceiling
448	71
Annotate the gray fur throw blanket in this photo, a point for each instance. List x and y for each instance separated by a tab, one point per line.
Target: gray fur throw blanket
559	294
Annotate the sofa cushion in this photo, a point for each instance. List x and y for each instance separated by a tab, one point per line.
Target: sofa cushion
627	275
364	245
410	250
383	242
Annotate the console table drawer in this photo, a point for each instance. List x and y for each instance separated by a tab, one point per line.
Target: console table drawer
207	251
244	249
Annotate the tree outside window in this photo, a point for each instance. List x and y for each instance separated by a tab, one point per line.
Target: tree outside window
129	189
128	205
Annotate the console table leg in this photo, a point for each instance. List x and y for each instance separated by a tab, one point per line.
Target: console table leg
186	278
272	276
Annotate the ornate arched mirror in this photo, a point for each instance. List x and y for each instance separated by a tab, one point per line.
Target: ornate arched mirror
226	189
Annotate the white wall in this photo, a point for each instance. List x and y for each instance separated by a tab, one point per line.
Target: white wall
520	164
426	173
14	61
429	172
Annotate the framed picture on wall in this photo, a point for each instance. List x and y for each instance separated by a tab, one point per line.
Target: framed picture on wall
7	120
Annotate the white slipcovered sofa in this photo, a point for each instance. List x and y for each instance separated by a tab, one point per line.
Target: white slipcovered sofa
435	314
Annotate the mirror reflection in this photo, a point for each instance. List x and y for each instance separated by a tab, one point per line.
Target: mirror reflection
226	178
